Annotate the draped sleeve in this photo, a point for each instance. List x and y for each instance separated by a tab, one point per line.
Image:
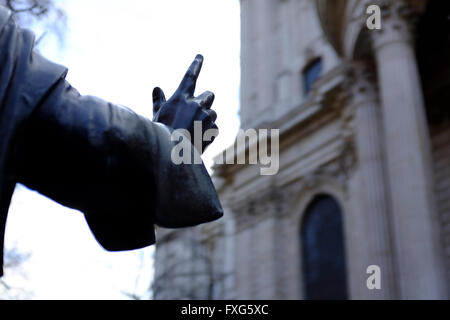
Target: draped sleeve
91	155
116	167
25	79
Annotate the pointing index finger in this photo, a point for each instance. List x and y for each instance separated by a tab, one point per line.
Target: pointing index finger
189	81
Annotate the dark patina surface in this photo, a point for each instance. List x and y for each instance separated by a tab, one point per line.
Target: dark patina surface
102	159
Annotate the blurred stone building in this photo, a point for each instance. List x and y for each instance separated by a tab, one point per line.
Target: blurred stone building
364	177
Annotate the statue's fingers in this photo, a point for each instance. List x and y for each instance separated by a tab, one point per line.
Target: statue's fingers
158	99
207	116
211	137
216	128
211	114
206	99
187	85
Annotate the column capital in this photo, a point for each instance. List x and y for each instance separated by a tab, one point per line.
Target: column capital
398	23
360	83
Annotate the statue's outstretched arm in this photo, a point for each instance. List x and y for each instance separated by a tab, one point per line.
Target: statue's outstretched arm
104	160
108	161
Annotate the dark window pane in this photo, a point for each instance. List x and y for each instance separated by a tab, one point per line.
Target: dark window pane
324	267
311	74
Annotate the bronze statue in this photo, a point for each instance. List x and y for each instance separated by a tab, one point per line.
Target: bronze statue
102	159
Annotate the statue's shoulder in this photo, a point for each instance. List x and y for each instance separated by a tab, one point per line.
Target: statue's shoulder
4	16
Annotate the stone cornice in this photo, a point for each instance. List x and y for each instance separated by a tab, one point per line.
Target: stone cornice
327	94
250	210
264	198
275	199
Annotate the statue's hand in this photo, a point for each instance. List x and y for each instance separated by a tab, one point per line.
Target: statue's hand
182	109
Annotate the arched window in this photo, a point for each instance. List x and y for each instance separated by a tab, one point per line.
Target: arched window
311	74
323	253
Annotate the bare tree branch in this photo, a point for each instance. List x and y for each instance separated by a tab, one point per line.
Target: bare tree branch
13	261
45	13
198	283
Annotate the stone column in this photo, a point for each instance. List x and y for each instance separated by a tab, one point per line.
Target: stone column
248	64
420	263
373	217
266	11
229	269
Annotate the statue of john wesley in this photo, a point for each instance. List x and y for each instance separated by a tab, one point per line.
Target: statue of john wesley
104	160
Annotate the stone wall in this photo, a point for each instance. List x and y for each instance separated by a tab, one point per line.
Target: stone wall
441	155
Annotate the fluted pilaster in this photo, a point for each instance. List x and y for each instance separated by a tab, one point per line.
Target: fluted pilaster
373	218
420	265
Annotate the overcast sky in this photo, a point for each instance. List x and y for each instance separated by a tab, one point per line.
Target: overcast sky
120	50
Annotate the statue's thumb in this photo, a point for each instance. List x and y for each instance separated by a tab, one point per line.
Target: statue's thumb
158	99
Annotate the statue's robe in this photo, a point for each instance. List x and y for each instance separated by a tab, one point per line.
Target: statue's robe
104	160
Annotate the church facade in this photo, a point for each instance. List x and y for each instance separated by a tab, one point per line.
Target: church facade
360	206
